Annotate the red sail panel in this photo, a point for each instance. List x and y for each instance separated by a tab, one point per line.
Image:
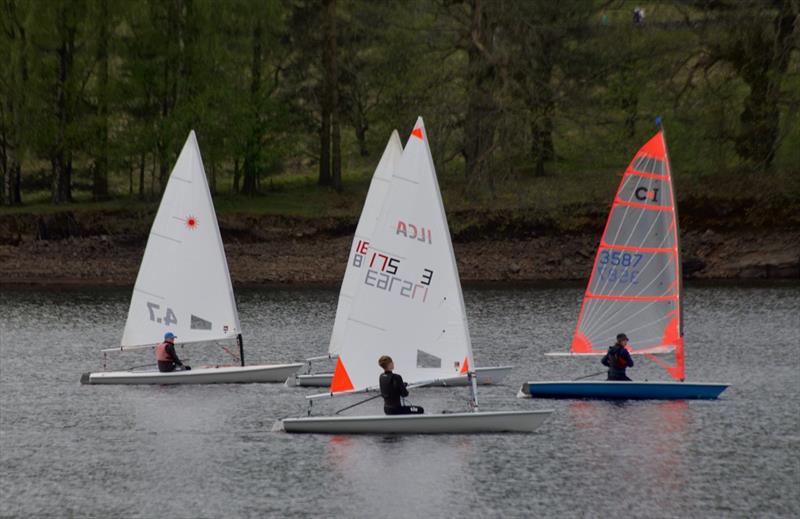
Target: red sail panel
634	287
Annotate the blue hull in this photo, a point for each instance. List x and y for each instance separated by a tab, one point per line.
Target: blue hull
622	390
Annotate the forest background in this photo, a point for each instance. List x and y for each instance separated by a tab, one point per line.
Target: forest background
533	108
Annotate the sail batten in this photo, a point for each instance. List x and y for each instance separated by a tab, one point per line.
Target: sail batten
634	286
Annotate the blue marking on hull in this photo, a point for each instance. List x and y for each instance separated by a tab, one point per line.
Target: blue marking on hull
626	390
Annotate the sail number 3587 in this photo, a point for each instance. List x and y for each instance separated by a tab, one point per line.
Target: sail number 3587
618	267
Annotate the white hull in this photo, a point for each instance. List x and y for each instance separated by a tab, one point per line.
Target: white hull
455	423
488	376
209	375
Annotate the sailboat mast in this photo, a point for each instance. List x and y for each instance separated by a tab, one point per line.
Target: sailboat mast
679	266
473	384
240	342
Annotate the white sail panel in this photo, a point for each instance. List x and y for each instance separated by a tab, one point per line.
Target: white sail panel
183	285
373	205
409	303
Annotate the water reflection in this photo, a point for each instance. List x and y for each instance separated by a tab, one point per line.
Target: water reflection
415	474
648	441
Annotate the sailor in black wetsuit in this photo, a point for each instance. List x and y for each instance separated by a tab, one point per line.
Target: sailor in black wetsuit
618	359
393	389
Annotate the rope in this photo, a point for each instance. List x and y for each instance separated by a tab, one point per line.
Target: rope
592	375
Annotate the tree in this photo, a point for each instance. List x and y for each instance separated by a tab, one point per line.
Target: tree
14	84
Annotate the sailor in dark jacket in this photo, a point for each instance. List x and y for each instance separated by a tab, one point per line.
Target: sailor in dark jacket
393	389
618	359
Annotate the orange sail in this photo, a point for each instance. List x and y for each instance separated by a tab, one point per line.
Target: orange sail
635	284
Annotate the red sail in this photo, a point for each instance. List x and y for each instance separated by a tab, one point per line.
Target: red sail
635	284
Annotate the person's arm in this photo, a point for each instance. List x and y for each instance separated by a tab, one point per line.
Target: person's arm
604	360
401	387
629	359
173	354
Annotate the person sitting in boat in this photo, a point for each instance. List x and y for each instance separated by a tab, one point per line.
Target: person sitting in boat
618	359
393	389
166	356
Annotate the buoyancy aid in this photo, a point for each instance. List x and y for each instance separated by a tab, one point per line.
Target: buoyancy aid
617	360
162	355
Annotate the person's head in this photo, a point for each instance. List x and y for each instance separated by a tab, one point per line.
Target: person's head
622	339
386	363
170	337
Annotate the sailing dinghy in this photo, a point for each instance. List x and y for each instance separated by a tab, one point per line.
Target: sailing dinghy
356	266
184	286
409	305
635	288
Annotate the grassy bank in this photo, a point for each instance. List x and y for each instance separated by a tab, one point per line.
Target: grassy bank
569	200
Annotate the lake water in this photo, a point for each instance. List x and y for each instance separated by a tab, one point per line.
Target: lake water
68	450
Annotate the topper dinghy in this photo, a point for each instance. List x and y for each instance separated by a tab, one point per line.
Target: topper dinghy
409	305
356	266
635	288
184	286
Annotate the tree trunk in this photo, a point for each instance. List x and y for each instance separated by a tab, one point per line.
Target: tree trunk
361	138
13	109
100	169
336	135
236	174
142	167
253	144
762	58
61	158
479	125
169	95
543	108
328	85
212	182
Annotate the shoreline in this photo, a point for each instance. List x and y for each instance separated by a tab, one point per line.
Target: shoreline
104	248
317	260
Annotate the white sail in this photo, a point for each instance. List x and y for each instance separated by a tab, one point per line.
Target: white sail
409	303
373	205
183	284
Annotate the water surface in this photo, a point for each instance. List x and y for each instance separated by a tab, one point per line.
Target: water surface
207	451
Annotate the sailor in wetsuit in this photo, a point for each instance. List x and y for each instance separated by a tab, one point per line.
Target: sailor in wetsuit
393	389
618	359
166	356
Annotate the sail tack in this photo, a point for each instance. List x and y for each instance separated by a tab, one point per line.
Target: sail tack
183	285
635	284
408	303
373	205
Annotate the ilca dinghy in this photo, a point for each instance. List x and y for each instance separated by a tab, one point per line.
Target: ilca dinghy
635	288
184	286
356	267
409	306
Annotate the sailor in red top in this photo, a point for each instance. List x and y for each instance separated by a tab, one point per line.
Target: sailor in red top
166	356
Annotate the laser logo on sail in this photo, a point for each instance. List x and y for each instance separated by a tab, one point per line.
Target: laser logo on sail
411	231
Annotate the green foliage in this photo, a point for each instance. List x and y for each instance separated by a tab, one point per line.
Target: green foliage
530	105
